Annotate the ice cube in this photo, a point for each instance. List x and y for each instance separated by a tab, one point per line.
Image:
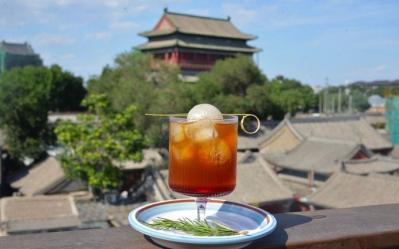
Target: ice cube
201	131
215	152
176	132
183	153
205	134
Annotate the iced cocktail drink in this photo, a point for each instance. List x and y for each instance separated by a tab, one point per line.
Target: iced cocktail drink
202	156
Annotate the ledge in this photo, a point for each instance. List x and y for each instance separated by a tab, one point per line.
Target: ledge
356	228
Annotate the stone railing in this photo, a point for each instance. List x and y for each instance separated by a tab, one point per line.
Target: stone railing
355	228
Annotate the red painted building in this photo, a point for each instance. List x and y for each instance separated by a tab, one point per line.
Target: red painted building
195	42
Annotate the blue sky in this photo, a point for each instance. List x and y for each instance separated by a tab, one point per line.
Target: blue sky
343	40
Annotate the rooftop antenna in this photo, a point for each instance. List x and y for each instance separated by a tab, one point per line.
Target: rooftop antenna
320	107
325	95
339	100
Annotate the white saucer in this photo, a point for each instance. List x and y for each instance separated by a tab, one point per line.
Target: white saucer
239	216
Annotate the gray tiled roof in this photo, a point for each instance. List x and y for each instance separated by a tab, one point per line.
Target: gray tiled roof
353	128
199	25
151	157
395	152
246	157
94	212
377	164
41	178
256	182
38	213
251	142
323	156
91	211
16	48
344	190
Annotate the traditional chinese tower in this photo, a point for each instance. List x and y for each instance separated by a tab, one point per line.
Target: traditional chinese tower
17	55
195	42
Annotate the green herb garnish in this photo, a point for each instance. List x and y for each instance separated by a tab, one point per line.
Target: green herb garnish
194	227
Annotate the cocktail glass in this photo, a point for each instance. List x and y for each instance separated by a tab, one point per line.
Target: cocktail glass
202	158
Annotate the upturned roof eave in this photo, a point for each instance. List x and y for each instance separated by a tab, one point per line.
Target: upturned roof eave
153	33
274	177
183	45
322	188
286	121
303	170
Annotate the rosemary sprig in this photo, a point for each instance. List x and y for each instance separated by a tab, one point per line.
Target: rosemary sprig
194	227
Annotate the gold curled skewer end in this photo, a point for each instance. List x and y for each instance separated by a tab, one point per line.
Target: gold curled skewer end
257	124
244	116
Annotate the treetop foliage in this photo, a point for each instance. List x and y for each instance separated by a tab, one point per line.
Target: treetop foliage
24	100
26	96
99	142
233	85
66	92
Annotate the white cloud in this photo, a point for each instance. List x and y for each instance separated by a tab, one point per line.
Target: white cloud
52	39
380	68
65	2
115	3
290	13
99	35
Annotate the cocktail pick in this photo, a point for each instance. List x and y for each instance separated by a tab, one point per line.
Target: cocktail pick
244	116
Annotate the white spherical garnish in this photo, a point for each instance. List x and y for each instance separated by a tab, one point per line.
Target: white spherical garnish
204	111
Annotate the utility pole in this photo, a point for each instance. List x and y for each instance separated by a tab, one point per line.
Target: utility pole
326	96
325	100
320	110
339	100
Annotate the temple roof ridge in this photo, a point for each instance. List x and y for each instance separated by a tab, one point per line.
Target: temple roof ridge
227	19
198	25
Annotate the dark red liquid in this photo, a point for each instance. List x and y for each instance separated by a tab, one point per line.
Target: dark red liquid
202	158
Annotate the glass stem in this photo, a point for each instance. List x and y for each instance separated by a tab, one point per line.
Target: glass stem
201	207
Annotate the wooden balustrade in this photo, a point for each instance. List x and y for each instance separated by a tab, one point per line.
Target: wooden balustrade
355	228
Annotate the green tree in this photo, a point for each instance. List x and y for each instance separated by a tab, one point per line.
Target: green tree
133	80
227	85
24	103
360	100
26	96
233	85
228	77
98	141
259	100
290	96
237	85
66	91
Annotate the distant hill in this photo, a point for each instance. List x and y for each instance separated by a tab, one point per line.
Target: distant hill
375	83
